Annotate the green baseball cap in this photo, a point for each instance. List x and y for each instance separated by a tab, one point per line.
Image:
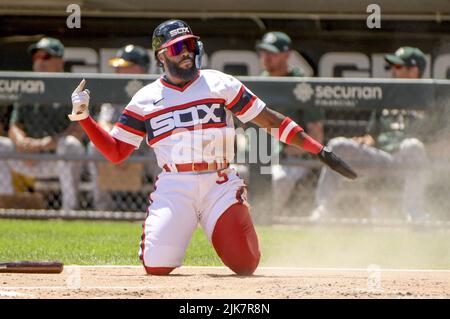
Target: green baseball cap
130	54
275	42
407	56
50	45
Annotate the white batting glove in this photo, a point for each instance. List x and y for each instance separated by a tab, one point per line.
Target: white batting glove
80	103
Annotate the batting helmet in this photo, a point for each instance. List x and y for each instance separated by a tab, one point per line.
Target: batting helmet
172	31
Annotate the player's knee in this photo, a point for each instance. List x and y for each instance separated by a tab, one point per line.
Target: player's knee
412	145
235	240
244	261
158	271
247	265
6	145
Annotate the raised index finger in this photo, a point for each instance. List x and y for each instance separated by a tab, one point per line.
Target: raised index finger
80	86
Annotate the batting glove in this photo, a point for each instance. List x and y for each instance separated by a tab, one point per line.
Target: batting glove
80	103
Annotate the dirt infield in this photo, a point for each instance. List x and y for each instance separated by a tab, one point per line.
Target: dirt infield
219	282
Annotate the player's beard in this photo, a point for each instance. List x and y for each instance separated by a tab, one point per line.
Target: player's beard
183	74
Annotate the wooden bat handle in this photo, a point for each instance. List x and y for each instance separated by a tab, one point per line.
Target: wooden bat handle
33	267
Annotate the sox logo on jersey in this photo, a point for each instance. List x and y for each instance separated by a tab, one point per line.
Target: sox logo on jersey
191	116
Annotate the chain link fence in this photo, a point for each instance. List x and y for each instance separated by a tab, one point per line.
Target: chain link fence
66	172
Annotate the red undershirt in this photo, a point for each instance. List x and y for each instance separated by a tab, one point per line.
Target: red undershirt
113	149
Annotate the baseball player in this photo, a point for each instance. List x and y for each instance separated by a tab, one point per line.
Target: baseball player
391	138
186	116
38	128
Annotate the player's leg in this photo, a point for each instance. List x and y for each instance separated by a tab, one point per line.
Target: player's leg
166	233
235	240
284	181
412	152
69	172
102	199
354	153
169	225
40	169
6	185
228	225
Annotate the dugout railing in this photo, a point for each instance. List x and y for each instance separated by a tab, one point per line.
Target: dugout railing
346	103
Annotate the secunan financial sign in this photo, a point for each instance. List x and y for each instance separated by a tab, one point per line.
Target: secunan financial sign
336	95
22	86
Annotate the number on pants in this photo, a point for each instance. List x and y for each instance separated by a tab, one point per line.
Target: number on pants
223	178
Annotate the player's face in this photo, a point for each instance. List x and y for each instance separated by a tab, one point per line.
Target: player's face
181	65
404	72
273	62
44	62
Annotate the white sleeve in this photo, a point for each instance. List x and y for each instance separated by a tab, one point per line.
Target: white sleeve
241	101
130	127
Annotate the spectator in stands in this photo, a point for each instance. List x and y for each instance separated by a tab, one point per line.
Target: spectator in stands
21	182
131	59
37	128
274	51
391	139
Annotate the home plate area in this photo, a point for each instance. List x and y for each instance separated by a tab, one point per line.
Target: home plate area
220	282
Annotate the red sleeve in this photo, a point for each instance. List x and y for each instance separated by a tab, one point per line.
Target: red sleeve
113	149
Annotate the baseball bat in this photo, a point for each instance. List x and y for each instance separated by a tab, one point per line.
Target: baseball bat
32	267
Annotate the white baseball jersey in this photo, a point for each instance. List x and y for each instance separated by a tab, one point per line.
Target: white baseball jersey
189	124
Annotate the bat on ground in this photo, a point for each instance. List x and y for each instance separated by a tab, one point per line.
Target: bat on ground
33	267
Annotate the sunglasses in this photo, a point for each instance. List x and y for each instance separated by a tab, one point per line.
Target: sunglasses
178	47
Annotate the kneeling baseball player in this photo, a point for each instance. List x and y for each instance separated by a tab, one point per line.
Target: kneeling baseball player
186	116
